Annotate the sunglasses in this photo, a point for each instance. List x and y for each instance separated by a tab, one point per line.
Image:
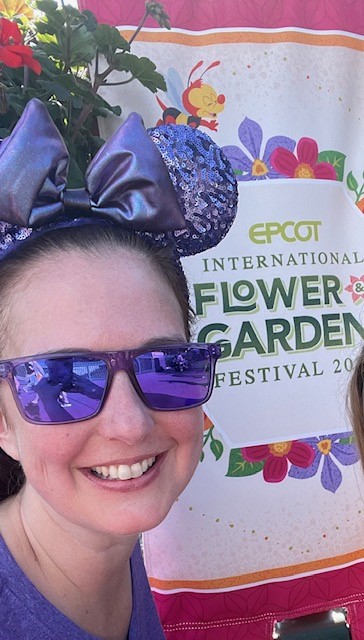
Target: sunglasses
69	387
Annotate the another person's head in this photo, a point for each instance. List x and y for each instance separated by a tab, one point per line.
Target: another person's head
356	403
116	451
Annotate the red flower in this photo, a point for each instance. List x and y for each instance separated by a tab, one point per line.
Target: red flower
305	165
12	52
276	456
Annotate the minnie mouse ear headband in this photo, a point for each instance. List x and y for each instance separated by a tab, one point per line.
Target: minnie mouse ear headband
172	183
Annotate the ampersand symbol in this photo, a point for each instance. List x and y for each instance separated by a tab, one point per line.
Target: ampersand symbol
359	287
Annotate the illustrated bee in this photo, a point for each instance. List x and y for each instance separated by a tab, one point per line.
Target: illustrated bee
196	106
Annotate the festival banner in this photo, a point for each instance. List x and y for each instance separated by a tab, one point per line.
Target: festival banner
271	526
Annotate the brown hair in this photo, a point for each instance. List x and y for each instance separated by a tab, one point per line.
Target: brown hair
355	403
93	240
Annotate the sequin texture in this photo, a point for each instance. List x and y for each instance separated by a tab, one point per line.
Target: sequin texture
205	185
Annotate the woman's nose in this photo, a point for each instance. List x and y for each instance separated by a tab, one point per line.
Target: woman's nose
124	416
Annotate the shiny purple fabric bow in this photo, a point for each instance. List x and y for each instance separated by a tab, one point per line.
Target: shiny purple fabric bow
127	181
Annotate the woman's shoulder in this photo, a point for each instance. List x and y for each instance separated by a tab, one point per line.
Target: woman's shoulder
145	623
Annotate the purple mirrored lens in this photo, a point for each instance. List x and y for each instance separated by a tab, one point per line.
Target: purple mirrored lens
175	378
60	389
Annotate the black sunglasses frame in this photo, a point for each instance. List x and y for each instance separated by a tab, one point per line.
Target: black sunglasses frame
115	361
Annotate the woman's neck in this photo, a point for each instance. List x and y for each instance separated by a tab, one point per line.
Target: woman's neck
84	574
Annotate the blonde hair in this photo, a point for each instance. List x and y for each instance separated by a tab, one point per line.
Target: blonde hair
355	403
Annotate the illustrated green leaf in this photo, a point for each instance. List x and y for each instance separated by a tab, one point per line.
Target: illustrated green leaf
349	440
238	467
202	456
352	182
217	448
142	69
336	159
4	133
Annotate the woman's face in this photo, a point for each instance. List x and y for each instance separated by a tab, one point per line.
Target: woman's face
105	303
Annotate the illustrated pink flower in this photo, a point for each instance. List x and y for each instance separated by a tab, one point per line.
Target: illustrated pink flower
305	165
12	52
356	287
277	455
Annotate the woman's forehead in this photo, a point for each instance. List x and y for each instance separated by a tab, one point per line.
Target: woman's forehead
95	302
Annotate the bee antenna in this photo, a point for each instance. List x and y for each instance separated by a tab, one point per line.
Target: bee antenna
213	64
193	71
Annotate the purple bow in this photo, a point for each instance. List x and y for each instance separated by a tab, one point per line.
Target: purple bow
126	181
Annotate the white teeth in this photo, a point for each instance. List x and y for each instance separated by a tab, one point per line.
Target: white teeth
136	470
124	471
113	472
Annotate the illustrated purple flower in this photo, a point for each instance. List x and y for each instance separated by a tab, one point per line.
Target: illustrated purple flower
336	445
256	165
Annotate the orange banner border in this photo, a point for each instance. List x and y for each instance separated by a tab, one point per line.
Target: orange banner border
268	575
251	37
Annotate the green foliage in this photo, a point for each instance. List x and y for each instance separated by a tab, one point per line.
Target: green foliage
142	69
336	159
65	41
352	182
238	467
217	448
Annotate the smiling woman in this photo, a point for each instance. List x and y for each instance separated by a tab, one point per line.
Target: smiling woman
101	388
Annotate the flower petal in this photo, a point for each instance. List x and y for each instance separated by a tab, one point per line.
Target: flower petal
255	454
275	469
33	64
307	151
324	171
10	58
345	453
251	135
238	159
301	473
301	454
19	56
337	436
283	161
331	476
274	143
9	30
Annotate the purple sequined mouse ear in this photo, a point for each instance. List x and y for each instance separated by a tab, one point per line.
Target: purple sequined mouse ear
205	185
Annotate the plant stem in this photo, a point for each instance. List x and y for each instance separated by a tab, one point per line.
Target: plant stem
25	79
360	193
99	80
139	27
116	84
87	108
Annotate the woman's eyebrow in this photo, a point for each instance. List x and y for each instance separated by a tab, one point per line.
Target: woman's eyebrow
147	344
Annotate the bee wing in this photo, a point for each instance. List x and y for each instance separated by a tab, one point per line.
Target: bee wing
175	88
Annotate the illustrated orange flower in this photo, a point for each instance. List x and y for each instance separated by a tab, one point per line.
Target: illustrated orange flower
12	8
12	52
207	424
